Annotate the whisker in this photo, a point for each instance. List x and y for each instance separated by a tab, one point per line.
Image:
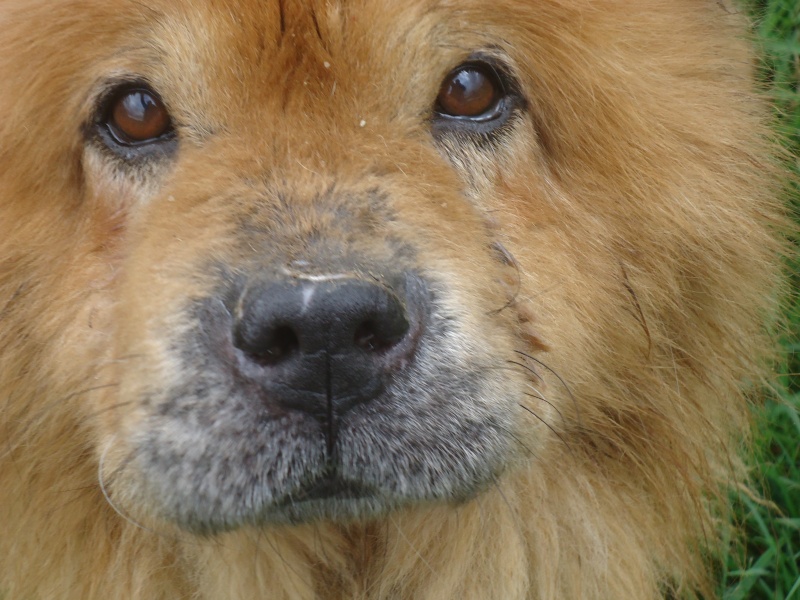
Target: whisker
509	260
23	427
411	545
550	427
527	368
76	394
111	503
563	383
107	409
262	534
540	396
514	436
122	359
513	513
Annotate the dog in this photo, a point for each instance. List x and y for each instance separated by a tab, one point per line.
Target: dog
378	300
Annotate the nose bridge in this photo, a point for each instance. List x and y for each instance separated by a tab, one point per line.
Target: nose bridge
310	136
313	224
305	108
316	148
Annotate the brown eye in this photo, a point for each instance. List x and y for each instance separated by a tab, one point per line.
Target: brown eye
470	92
138	116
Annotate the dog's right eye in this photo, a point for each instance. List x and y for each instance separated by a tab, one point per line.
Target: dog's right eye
470	92
137	116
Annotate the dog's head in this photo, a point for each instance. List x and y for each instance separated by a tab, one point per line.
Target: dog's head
341	233
312	316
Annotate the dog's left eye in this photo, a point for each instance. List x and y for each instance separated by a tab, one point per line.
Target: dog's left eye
477	99
137	116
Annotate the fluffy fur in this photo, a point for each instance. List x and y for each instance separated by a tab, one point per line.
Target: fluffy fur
601	275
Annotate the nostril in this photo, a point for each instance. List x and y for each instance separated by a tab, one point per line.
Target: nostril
377	337
365	336
281	343
272	346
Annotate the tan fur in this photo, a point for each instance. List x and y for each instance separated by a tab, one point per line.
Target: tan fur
635	198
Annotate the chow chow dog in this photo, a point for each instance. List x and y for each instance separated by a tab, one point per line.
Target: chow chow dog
381	300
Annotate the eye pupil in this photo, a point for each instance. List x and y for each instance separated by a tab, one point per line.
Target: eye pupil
138	116
468	92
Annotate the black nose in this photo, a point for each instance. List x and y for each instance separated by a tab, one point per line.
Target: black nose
318	346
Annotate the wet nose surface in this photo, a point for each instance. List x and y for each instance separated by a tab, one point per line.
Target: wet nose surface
322	346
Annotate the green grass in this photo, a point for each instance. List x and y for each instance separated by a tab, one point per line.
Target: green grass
767	566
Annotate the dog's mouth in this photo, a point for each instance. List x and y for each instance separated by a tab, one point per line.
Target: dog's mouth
329	487
330	496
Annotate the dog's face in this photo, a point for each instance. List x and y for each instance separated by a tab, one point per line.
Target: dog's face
346	237
313	314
